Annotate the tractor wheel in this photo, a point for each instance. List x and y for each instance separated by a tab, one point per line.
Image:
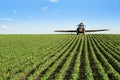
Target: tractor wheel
77	33
84	32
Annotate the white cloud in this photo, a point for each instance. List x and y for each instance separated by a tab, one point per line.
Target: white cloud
14	11
57	11
6	19
53	1
4	27
44	8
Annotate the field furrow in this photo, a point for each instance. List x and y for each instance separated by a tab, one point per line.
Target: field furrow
60	57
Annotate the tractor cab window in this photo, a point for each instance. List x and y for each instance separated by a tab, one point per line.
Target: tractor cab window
81	26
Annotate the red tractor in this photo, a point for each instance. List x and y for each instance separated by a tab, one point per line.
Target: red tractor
80	28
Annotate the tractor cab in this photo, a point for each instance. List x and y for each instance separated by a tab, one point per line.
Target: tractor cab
81	25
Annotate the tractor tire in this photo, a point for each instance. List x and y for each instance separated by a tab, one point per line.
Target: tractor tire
84	32
77	33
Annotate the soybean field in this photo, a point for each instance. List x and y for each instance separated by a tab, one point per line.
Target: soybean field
60	57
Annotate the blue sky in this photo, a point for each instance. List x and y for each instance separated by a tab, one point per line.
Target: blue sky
45	16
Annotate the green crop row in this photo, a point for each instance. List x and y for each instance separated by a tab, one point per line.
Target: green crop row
60	57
